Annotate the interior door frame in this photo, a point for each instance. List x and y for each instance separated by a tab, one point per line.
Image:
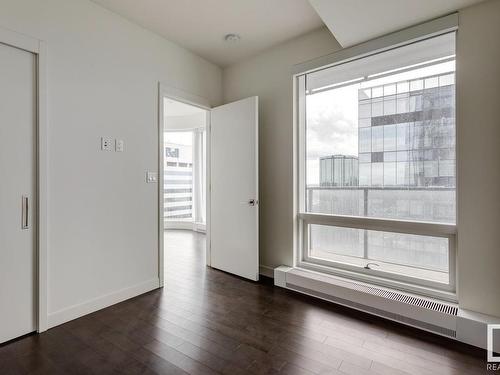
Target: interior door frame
166	91
38	49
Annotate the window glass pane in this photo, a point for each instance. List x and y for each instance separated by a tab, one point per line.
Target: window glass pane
377	92
365	94
417	84
364	122
402	155
415	103
365	174
377	107
403	87
389	105
389	90
402	173
365	140
377	157
178	176
377	174
447	79
421	257
389	156
402	141
431	169
403	103
431	82
365	109
447	168
327	240
379	142
378	138
365	158
389	139
389	174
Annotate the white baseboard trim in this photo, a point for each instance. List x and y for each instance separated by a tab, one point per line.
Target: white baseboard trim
79	310
266	271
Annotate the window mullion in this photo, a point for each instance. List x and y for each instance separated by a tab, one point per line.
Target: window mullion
389	225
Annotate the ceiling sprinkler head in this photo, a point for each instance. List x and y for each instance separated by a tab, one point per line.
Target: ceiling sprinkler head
232	38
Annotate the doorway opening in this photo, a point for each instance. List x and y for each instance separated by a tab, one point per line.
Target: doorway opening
208	190
184	194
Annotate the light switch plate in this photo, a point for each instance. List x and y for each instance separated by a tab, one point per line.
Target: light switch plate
119	145
151	177
106	144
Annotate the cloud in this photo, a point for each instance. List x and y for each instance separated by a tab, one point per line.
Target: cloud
332	124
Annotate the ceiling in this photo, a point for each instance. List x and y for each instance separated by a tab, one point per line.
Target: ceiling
200	25
173	108
355	21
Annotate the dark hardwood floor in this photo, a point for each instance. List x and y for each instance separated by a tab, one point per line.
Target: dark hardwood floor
205	322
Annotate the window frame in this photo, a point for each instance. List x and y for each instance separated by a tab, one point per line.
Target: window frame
303	219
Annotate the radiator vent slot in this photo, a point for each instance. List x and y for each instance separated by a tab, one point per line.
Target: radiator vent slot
383	313
444	308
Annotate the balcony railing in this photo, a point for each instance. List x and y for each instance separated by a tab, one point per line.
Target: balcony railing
434	204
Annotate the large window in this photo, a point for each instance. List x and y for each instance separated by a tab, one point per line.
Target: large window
377	180
185	176
178	175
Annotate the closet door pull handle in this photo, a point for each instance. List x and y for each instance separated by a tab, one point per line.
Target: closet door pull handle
25	223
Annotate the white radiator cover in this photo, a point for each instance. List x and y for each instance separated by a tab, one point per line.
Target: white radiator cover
428	314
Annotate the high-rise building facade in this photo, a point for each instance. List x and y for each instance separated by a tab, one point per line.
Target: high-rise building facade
407	133
178	182
338	170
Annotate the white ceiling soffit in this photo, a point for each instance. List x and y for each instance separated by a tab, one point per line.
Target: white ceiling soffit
200	25
356	21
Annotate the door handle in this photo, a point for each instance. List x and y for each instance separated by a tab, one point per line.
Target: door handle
253	202
25	220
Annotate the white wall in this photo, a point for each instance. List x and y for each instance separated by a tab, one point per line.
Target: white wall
103	74
269	76
478	103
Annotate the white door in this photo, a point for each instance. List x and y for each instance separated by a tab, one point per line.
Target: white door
17	192
234	210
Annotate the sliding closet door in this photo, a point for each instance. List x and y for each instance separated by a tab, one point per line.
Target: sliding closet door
17	192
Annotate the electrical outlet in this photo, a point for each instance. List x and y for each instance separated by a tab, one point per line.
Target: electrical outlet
119	145
106	144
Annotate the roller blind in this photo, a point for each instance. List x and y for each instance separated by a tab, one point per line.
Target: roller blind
435	48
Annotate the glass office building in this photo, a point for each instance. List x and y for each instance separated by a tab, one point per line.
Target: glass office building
338	170
407	133
178	179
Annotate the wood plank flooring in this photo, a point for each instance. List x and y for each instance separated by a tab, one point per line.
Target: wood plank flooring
208	322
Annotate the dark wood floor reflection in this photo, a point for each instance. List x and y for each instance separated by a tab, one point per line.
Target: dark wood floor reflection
205	322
